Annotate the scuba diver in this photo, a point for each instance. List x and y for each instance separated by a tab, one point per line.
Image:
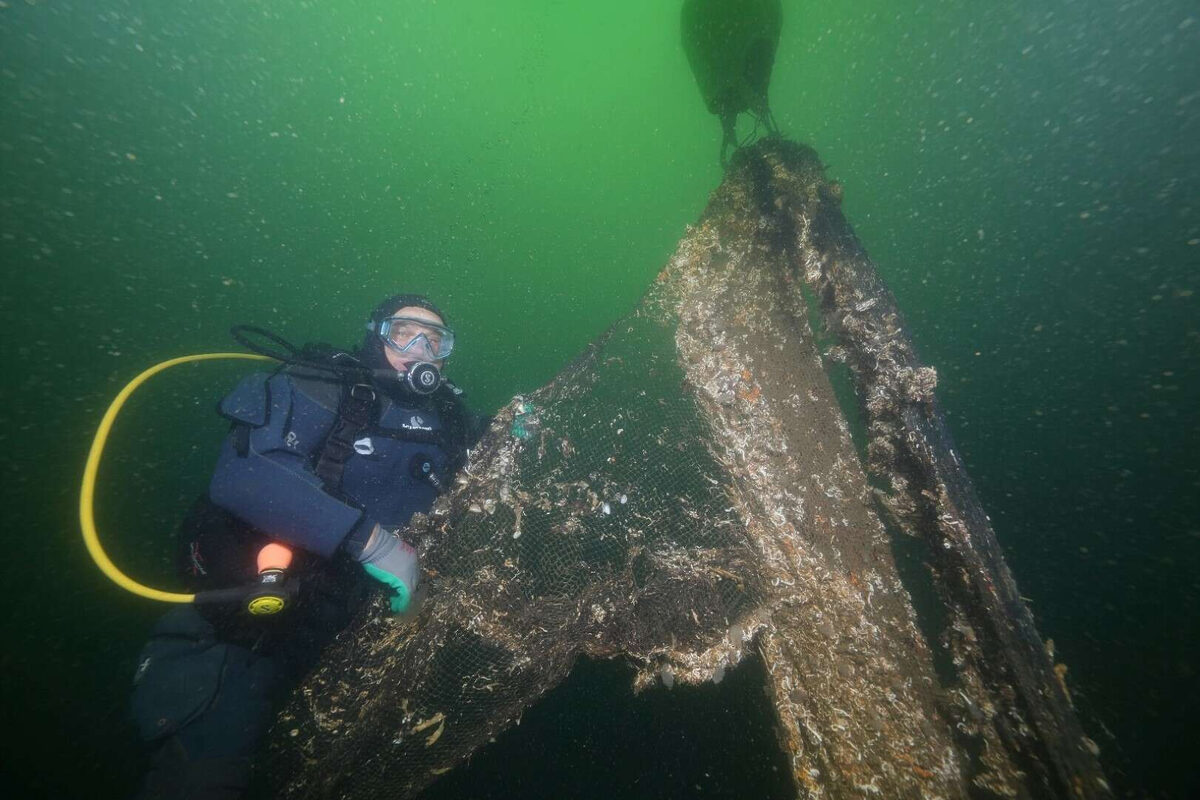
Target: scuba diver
326	460
730	46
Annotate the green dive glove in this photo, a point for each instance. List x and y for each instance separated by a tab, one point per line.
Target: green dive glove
393	562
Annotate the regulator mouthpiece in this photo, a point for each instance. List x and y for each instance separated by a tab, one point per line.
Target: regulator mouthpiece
422	378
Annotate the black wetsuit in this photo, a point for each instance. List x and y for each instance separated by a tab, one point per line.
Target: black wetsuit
210	678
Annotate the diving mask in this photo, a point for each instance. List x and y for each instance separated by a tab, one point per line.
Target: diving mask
416	338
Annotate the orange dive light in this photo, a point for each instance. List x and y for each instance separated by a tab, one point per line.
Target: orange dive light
272	593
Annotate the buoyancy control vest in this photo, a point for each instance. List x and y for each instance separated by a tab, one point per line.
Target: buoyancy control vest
311	454
347	445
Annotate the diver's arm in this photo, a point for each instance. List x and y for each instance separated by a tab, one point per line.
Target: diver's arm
388	559
263	475
283	500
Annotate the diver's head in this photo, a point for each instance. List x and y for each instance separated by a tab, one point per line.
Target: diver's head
405	332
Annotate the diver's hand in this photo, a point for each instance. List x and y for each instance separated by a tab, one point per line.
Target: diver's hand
393	562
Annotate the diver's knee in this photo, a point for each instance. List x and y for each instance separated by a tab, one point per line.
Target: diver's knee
215	697
203	705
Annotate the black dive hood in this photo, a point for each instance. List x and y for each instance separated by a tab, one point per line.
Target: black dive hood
423	377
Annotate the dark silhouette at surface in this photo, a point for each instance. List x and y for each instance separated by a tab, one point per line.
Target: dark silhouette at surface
730	46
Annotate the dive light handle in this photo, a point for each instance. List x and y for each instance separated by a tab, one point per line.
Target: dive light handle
270	593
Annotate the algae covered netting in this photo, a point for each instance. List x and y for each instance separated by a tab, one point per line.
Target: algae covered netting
591	519
686	491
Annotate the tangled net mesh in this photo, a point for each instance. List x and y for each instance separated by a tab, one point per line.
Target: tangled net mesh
591	520
685	493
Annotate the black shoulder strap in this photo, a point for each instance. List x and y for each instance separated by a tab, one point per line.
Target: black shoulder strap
354	414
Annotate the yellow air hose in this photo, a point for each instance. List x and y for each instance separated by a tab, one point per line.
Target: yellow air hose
87	492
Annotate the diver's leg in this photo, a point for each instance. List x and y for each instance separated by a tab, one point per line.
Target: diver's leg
201	706
728	136
756	74
767	119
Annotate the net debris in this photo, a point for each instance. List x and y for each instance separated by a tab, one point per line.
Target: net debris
687	493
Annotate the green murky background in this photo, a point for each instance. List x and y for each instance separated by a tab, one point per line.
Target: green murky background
1026	178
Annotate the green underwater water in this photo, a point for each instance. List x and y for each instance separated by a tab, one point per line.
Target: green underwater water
1025	177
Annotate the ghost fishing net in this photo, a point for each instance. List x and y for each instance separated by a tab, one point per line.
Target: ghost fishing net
688	492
